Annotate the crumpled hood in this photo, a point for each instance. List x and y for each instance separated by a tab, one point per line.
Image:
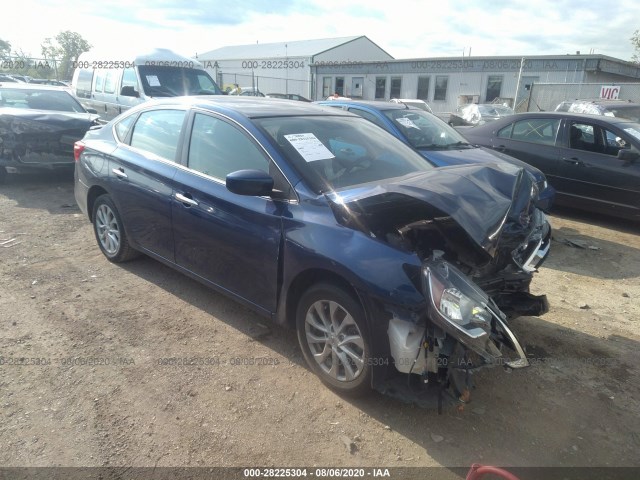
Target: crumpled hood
485	200
463	156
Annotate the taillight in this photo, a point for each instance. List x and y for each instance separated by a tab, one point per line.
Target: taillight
78	148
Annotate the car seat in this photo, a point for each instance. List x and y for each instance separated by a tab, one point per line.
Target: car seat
575	138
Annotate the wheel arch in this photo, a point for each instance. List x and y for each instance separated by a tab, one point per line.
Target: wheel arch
92	195
307	278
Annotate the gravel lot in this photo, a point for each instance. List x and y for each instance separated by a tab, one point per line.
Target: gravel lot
61	301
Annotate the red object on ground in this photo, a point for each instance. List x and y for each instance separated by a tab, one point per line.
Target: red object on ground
478	471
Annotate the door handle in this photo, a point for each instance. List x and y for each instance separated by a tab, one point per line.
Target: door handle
119	172
573	161
186	201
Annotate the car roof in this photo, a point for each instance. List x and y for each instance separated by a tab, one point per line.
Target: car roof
571	116
603	101
378	105
251	107
35	86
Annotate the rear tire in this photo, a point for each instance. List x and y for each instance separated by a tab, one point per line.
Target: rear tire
333	338
109	231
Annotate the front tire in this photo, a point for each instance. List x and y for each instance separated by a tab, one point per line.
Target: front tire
109	231
333	338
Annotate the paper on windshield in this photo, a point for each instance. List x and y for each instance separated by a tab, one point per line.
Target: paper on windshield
405	122
153	81
309	147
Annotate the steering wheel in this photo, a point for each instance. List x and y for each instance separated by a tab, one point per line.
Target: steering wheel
351	165
163	88
418	137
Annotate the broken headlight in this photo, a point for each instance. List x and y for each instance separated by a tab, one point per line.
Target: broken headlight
456	300
465	312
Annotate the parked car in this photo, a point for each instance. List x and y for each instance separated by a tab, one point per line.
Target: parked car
246	92
111	86
413	102
20	78
48	81
592	161
8	79
611	108
477	114
323	222
39	126
336	96
288	96
436	141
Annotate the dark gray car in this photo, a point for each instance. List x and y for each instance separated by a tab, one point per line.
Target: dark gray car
591	160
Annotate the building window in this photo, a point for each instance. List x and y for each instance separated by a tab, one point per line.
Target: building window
396	86
494	87
440	92
423	88
381	87
340	86
326	87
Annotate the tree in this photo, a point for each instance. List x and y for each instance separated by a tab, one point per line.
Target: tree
5	49
66	47
635	42
49	50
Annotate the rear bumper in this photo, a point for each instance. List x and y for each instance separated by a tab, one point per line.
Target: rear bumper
50	163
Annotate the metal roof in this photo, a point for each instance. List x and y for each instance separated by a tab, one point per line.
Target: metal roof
300	48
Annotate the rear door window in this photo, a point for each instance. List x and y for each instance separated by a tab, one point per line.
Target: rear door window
110	81
534	130
98	81
158	132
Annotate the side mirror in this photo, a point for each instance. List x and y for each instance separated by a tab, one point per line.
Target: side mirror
627	155
253	183
129	91
91	110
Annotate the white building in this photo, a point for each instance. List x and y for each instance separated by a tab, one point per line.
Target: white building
288	67
445	83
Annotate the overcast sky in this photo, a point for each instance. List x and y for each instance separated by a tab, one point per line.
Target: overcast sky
403	28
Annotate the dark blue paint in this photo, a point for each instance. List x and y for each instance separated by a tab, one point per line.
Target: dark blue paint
443	157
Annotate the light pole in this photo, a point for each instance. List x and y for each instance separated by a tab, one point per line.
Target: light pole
286	67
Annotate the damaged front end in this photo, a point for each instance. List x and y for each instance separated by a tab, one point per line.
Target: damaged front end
479	239
463	331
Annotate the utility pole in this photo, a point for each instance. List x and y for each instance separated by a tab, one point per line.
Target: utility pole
515	100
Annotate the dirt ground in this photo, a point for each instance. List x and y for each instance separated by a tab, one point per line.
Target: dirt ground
83	342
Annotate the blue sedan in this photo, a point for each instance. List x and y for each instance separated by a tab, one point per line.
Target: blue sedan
438	142
390	270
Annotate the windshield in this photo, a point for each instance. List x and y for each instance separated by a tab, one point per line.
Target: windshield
161	81
332	152
632	129
495	110
53	100
632	112
423	130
